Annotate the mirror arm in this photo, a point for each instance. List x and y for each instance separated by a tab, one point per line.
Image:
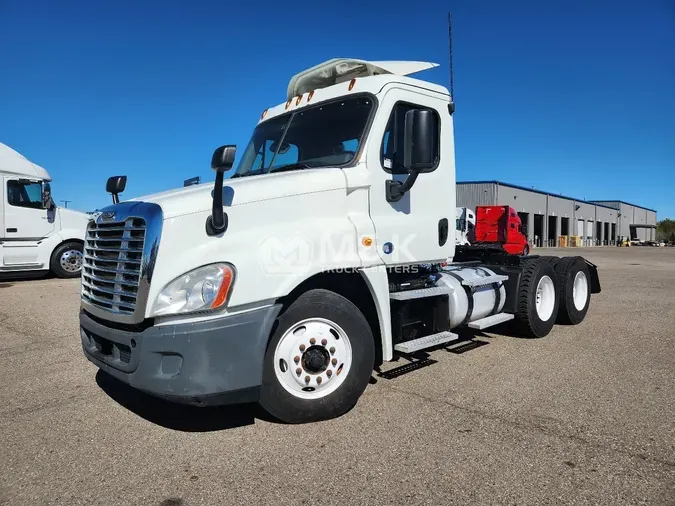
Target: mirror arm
396	189
217	222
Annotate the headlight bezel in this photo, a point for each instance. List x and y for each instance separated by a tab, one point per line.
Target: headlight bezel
219	302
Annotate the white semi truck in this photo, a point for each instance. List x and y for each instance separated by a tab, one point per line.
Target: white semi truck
330	251
35	234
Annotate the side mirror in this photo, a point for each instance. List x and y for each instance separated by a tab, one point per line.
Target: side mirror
116	185
419	154
223	158
221	161
47	201
419	140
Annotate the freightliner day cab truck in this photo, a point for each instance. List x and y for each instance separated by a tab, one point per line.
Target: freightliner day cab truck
35	234
329	251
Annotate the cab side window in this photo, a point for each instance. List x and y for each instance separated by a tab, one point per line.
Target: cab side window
391	155
20	194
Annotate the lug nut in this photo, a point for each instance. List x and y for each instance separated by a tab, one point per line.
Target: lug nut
298	371
332	350
302	347
296	359
329	373
312	341
324	342
334	361
318	380
306	379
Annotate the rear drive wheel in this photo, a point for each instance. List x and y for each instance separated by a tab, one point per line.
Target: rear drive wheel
319	360
551	259
66	261
574	290
537	298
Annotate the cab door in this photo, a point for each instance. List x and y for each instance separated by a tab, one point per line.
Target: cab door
25	216
420	227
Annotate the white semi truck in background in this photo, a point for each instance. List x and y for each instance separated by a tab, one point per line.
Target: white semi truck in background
35	234
330	251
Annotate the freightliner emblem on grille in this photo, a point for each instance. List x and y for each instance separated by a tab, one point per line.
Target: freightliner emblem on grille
108	215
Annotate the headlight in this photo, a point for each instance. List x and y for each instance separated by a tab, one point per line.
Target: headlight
202	289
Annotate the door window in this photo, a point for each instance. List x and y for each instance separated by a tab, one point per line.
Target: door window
391	154
24	194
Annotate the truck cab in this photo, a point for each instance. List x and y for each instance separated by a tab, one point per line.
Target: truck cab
35	234
329	251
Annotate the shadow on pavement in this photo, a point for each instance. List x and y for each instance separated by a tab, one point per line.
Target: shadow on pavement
178	416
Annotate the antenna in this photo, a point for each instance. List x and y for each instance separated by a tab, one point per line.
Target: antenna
452	81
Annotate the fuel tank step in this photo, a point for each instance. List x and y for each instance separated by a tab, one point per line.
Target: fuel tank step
490	321
426	342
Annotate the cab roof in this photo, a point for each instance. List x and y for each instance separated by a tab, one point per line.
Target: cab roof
14	163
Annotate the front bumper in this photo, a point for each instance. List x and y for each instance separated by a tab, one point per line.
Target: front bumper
205	363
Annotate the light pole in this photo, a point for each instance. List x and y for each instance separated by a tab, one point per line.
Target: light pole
65	203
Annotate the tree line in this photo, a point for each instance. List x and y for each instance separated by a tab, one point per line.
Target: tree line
665	230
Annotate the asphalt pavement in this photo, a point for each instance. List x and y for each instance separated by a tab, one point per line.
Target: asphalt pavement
585	415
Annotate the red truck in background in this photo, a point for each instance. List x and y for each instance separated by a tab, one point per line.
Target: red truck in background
499	225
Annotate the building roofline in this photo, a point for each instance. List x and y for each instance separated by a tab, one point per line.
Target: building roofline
592	202
624	202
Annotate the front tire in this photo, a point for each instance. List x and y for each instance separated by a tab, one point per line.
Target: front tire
67	260
574	289
319	359
538	299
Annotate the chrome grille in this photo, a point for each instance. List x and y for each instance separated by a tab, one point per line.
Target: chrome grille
113	260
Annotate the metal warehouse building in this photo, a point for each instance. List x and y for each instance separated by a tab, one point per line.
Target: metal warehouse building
547	216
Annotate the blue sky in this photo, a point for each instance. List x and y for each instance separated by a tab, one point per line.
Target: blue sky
575	97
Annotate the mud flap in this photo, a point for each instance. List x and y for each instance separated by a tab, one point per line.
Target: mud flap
595	279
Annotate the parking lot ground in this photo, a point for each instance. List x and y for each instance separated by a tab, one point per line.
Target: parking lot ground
585	415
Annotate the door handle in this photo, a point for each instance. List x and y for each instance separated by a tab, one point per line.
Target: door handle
442	231
12	230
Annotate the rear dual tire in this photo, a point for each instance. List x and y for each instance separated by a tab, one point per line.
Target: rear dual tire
574	289
538	299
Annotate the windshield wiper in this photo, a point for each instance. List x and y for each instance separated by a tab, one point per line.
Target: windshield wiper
291	166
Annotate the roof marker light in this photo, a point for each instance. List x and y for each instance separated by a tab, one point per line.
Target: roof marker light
311	94
288	103
298	100
352	83
264	113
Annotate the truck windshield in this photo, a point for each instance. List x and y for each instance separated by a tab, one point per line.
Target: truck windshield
328	134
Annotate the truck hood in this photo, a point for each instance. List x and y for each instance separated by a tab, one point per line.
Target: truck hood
73	219
245	190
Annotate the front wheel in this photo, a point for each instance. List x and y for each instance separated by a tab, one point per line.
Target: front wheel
66	261
319	360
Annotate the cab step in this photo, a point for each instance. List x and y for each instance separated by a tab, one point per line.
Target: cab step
420	293
426	342
487	280
490	321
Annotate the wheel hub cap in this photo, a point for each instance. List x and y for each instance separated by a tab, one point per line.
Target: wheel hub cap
312	358
580	290
545	298
71	261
